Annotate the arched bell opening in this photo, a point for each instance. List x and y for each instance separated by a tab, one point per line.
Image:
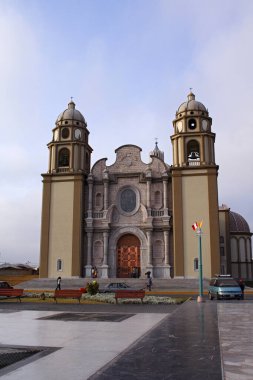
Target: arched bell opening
63	158
193	151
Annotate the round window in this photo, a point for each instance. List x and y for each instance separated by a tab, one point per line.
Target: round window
65	133
128	200
192	124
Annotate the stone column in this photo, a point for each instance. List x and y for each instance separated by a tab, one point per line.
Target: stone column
203	153
165	193
105	259
88	266
90	185
148	178
106	183
149	252
166	247
149	236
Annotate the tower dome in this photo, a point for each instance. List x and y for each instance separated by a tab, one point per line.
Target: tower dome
71	114
191	105
237	223
157	152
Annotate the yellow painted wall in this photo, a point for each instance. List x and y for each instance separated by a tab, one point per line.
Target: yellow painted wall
195	208
61	228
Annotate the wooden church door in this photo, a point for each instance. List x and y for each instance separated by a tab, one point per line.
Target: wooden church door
128	256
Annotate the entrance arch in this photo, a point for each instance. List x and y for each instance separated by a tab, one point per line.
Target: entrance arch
128	256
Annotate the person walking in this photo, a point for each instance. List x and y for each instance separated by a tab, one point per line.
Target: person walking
58	284
242	286
149	280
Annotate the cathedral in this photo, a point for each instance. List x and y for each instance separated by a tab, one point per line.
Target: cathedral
132	217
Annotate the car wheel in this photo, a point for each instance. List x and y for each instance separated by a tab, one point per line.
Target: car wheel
210	296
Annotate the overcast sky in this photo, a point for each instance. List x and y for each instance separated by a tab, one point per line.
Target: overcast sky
128	64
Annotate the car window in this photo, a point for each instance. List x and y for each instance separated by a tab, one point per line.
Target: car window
228	283
4	284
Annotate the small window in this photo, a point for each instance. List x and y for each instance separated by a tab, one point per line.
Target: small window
66	122
98	200
59	265
222	253
222	239
196	264
192	113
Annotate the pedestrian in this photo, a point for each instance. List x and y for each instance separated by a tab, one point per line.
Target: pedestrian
94	272
58	284
149	280
242	286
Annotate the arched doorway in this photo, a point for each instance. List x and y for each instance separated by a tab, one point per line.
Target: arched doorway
128	256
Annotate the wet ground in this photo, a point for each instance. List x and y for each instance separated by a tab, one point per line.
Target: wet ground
194	341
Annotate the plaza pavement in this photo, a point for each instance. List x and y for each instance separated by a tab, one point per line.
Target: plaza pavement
211	340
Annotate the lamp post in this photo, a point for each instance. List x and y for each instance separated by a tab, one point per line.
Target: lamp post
200	297
197	228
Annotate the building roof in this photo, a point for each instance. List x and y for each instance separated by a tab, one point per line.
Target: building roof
71	113
237	223
191	105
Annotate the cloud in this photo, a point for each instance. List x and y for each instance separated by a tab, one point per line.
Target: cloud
223	82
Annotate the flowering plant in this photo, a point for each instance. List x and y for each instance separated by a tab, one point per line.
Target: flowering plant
92	287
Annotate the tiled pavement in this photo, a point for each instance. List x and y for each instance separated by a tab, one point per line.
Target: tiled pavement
155	342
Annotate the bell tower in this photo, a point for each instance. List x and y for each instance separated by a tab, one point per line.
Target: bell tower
63	199
194	190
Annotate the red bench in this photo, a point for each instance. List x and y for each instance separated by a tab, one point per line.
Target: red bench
68	293
129	294
16	293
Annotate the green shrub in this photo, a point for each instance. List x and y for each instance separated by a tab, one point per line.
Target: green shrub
92	287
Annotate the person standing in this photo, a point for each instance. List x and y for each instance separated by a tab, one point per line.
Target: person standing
58	284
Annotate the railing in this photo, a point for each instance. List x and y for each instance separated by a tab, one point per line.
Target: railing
97	214
156	213
63	170
100	214
194	163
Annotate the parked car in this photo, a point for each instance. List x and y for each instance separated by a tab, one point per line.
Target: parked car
5	285
113	286
224	287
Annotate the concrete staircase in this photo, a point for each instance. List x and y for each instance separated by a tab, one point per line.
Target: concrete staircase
158	283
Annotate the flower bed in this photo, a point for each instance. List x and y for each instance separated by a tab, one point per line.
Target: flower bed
152	300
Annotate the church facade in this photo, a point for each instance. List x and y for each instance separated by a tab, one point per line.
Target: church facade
132	217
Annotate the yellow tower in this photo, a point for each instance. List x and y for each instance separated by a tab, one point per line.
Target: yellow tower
64	196
194	190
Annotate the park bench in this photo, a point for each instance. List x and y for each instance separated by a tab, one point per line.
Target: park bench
129	294
16	293
68	293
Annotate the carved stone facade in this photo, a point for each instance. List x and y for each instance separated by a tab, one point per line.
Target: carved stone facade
129	198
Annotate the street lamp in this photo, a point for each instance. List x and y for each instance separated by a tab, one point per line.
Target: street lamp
197	228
